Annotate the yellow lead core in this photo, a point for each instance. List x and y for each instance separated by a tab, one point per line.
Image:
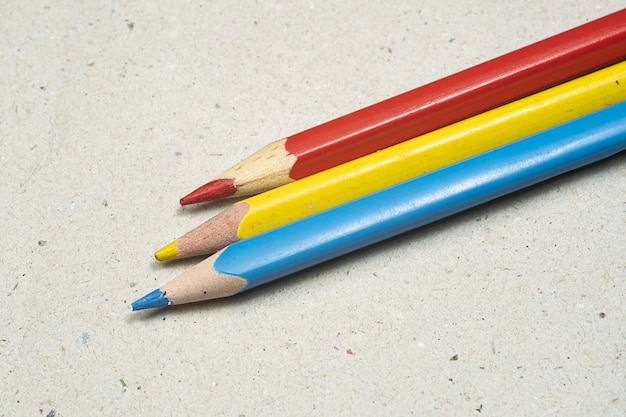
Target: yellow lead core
167	252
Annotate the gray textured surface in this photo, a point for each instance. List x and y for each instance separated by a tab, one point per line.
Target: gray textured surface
109	113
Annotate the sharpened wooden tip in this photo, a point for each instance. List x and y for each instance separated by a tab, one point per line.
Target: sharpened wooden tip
213	190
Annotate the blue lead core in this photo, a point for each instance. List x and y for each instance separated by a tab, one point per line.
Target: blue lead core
154	299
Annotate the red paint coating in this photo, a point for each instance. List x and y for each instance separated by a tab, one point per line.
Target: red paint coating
216	189
461	95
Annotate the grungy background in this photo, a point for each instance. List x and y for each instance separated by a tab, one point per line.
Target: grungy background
110	112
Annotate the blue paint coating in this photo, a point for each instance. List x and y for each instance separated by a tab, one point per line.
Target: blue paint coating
155	299
427	198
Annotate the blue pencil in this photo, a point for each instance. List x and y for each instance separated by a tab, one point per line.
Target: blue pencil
392	211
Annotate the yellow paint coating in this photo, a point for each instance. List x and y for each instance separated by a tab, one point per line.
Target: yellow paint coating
434	150
167	252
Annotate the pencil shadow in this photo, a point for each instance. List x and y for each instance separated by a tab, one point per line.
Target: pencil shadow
176	264
211	206
159	314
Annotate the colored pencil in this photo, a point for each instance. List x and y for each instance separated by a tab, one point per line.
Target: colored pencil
434	105
394	210
401	162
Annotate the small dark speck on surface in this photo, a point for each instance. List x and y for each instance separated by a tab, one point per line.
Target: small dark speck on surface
178	153
602	315
131	25
42	243
52	413
455	358
480	408
42	88
217	106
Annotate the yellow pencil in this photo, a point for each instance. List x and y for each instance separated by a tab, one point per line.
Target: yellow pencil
401	162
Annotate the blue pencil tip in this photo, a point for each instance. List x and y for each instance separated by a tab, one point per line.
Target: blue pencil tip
154	299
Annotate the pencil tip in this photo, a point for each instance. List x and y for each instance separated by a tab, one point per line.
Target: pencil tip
167	252
214	190
154	299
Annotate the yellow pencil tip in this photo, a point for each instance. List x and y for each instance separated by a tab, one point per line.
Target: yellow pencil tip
167	252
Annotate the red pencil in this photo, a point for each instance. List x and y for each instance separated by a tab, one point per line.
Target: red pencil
424	109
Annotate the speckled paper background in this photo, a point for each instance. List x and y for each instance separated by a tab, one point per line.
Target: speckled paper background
110	112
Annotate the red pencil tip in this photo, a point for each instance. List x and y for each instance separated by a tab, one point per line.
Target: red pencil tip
214	190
